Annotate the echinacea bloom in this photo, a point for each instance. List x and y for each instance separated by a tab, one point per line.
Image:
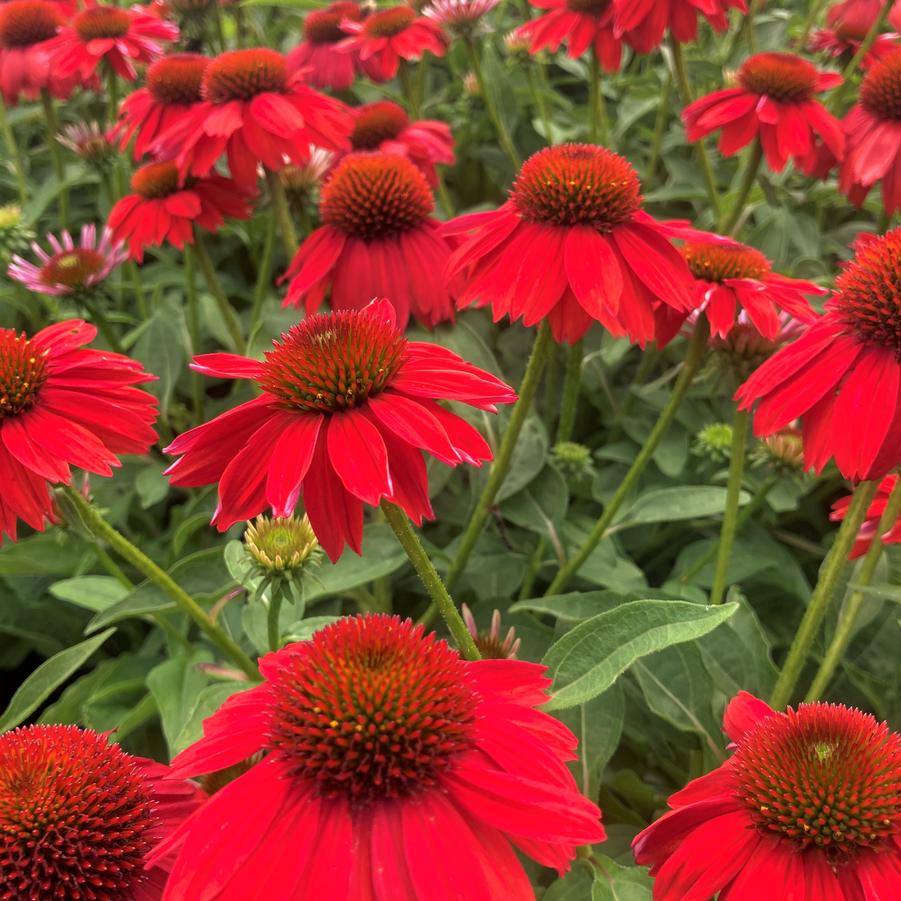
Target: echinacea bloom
69	268
162	210
80	817
731	277
873	136
394	770
377	239
808	807
172	90
582	24
774	103
63	406
843	375
254	113
571	245
867	531
464	18
120	38
643	23
89	142
346	409
491	645
385	126
847	24
26	27
387	36
323	62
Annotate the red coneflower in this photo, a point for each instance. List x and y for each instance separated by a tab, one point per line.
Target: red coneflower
79	817
867	531
387	36
572	245
172	90
324	63
808	806
773	102
347	407
643	23
255	113
62	406
162	210
385	126
582	24
118	37
377	239
843	376
873	136
463	760
847	25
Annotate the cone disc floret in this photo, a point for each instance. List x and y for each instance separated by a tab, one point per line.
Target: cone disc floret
243	74
577	184
323	26
880	91
377	122
23	369
588	7
375	195
75	817
718	262
822	775
156	180
371	709
390	22
27	22
177	79
72	268
781	76
100	22
333	362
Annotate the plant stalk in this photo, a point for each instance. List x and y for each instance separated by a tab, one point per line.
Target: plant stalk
284	222
729	220
56	155
14	154
572	382
229	317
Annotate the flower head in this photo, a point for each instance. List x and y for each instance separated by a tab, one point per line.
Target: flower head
281	543
843	375
774	102
387	36
811	798
573	245
88	141
582	24
783	451
867	531
714	442
79	817
377	238
347	407
644	24
379	736
847	24
491	644
101	33
15	235
69	268
460	17
324	63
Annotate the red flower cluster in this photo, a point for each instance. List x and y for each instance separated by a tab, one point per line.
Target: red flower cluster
321	58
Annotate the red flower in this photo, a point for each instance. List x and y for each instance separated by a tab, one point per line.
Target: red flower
643	22
119	37
807	807
377	239
255	113
731	277
61	406
465	769
172	91
843	376
161	210
774	103
385	126
387	36
868	530
873	136
583	24
324	63
347	406
848	24
81	817
573	245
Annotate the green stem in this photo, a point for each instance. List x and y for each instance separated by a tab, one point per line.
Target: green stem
229	317
851	610
437	590
663	114
730	515
488	99
194	331
681	76
541	350
696	348
128	552
729	221
532	568
56	155
282	214
407	88
12	151
273	632
598	125
264	275
572	382
447	205
812	14
830	573
98	317
134	275
551	386
539	100
854	65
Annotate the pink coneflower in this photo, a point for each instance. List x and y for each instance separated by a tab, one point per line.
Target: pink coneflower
324	63
88	141
69	268
491	643
460	17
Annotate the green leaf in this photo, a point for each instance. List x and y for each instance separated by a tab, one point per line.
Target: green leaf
615	883
574	606
587	661
175	686
540	507
672	504
205	705
47	678
574	886
94	593
152	486
529	458
161	347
